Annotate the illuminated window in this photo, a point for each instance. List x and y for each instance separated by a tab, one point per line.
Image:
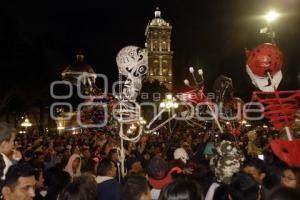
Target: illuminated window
164	45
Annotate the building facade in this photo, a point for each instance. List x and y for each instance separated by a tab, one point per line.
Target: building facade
158	44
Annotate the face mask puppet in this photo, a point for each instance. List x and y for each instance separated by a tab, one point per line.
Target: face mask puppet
132	63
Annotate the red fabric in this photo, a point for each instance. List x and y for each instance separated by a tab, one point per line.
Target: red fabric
287	151
264	58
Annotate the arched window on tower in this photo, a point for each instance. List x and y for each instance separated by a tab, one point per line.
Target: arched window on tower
164	46
165	68
155	45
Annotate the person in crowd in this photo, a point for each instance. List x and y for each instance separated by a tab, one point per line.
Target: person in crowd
221	193
85	159
243	187
290	178
55	180
257	168
19	182
136	188
284	194
133	166
7	138
90	166
181	190
74	166
114	157
107	186
82	188
160	175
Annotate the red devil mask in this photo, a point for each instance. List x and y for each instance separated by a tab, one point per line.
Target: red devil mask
264	58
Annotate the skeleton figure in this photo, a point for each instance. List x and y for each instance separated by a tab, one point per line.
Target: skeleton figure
133	64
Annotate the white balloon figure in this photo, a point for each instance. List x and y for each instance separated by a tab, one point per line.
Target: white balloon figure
132	63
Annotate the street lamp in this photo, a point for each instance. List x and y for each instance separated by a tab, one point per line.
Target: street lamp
26	123
270	17
169	102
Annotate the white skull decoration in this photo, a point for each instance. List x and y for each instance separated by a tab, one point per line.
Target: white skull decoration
132	62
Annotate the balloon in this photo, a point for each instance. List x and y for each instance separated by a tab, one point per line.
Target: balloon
264	58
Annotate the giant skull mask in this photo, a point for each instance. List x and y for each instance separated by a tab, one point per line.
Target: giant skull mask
132	62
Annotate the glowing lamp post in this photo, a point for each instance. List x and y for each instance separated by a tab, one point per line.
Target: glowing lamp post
26	123
270	17
169	102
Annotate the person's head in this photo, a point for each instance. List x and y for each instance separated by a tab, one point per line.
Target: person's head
7	137
290	178
133	165
19	183
284	194
107	168
113	155
76	150
73	166
89	166
221	193
136	188
181	190
256	168
86	153
243	187
82	188
76	163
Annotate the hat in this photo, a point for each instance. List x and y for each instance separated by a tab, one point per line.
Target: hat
158	173
181	154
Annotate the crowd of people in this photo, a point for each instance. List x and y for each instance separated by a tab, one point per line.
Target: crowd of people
187	164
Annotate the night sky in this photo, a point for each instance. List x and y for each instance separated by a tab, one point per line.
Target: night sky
39	39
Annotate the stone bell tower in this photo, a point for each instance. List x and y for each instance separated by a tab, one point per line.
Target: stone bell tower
158	44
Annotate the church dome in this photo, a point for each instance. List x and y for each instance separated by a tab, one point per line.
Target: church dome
158	21
79	66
